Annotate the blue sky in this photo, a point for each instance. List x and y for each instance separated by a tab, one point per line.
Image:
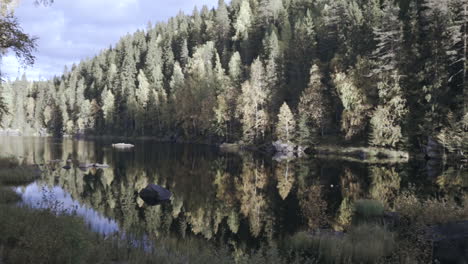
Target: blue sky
71	30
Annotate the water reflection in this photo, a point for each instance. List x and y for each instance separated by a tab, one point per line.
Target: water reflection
243	200
40	196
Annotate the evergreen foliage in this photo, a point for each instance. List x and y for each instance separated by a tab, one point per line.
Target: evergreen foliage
286	126
379	72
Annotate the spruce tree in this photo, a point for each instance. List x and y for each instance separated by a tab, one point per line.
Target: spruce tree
286	127
252	105
314	103
243	22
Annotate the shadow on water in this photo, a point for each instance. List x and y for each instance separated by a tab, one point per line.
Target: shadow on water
243	200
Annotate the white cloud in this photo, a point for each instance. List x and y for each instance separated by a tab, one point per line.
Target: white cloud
69	31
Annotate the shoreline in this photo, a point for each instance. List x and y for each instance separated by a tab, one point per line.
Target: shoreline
347	152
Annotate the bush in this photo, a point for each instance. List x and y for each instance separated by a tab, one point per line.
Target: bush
368	209
368	243
7	195
365	243
18	175
431	211
8	162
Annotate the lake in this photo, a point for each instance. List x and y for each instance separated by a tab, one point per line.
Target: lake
239	199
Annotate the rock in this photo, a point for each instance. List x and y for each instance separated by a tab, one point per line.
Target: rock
101	166
229	147
279	156
67	167
85	165
287	150
93	165
122	146
11	132
154	194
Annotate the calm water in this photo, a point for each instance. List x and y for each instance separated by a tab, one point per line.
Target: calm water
239	199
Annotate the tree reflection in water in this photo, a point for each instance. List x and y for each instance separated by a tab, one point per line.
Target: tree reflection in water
243	200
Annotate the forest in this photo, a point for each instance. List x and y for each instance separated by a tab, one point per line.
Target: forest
378	73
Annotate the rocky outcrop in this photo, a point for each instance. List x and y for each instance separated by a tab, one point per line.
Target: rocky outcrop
93	165
286	151
230	147
10	132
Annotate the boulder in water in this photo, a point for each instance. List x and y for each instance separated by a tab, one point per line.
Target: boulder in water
154	194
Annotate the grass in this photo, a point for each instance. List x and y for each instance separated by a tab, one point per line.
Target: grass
366	243
13	173
18	176
43	236
56	235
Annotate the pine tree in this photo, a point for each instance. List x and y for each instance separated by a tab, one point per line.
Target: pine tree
108	106
273	71
387	119
243	22
270	10
389	39
253	104
223	100
304	136
355	104
435	49
143	91
56	123
223	25
235	69
286	127
314	104
459	32
184	53
153	65
3	109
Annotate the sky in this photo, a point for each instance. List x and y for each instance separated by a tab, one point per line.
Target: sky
72	30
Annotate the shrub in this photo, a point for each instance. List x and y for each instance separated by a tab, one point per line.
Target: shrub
431	211
7	195
18	175
368	209
365	243
8	162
